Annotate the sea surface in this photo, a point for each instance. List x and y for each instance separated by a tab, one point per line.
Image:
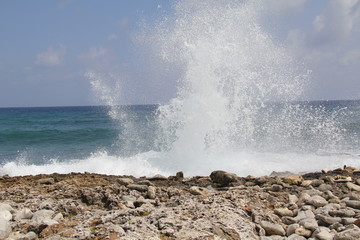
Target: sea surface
78	139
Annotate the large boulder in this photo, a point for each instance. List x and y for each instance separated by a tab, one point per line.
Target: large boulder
5	228
223	178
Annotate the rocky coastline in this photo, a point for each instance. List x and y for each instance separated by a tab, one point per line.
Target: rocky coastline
318	206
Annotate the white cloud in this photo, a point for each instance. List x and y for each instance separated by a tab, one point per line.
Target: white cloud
95	53
52	56
112	37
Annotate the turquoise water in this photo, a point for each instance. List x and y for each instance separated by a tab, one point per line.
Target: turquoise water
66	139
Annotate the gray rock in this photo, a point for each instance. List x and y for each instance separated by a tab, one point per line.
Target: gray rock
323	234
308	214
5	206
317	201
301	231
272	229
353	204
223	178
309	223
158	177
293	199
42	215
327	220
348	221
325	187
125	181
24	213
342	213
296	237
195	190
351	233
353	186
291	229
30	236
137	187
283	212
47	181
5	214
151	192
5	228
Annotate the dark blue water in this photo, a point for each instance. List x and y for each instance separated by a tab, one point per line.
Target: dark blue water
122	140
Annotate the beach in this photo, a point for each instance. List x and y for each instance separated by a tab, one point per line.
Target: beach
222	205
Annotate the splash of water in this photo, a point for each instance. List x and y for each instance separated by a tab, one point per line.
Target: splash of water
234	104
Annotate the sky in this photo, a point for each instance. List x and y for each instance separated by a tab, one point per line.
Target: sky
48	48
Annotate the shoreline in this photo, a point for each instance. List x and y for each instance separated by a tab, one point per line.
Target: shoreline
318	205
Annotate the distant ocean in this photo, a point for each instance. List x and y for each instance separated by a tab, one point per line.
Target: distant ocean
79	139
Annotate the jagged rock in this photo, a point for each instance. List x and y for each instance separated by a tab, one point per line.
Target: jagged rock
323	234
223	178
272	229
309	223
5	228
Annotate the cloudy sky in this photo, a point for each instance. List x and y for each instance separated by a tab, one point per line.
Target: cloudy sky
48	49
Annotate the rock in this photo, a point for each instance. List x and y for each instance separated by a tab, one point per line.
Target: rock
291	229
5	228
309	223
5	214
158	177
348	221
30	236
353	203
342	179
41	216
293	199
293	179
179	175
342	213
303	198
223	178
5	206
272	229
351	233
316	182
325	170
317	201
323	234
276	188
283	212
296	237
195	190
125	181
24	213
281	174
325	187
353	186
306	183
301	231
47	181
137	187
328	220
151	192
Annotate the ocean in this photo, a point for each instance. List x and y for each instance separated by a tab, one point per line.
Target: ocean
88	139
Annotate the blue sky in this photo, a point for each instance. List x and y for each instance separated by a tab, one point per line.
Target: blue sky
47	46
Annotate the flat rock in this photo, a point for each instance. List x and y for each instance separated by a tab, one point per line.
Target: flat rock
42	215
283	212
46	181
353	203
137	187
195	190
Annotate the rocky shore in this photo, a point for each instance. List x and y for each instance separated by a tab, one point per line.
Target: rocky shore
322	205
